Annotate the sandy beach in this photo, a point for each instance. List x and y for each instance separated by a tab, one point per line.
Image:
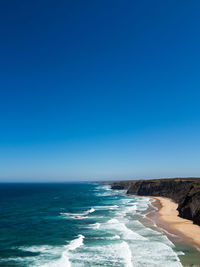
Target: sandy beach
167	218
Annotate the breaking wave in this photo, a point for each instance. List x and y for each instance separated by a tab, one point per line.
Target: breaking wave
77	216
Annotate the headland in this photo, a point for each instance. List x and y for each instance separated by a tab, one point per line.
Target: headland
177	203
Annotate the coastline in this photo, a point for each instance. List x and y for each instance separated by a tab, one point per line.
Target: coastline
166	217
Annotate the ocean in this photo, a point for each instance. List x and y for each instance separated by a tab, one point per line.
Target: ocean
72	225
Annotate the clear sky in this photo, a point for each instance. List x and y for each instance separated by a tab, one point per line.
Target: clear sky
99	89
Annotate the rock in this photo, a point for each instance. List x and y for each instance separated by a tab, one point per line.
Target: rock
189	207
184	191
120	185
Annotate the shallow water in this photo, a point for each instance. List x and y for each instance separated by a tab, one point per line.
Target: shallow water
76	225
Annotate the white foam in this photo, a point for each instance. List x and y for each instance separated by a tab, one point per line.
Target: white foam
127	254
126	201
90	211
113	237
124	230
76	243
111	207
105	187
111	221
130	210
156	254
113	254
41	249
64	260
77	216
44	259
143	203
95	225
105	194
180	253
150	204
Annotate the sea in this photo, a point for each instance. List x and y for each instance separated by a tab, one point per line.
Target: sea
80	225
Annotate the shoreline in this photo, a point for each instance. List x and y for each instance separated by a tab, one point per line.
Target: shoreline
166	217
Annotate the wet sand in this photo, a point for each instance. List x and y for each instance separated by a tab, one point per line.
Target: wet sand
166	217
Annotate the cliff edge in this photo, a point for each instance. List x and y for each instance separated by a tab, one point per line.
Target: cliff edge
184	191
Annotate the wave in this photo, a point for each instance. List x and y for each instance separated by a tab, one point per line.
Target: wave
112	207
46	257
105	194
42	248
105	187
154	253
127	254
76	243
143	204
126	201
77	215
90	211
46	253
103	254
130	210
124	230
95	225
113	237
137	204
64	260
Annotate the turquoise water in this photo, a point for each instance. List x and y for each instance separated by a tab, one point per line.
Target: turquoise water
57	225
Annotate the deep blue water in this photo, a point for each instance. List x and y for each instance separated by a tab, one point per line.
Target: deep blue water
77	225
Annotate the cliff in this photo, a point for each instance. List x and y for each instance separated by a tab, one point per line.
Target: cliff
185	192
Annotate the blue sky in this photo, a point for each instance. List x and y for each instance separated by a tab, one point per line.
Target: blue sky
99	90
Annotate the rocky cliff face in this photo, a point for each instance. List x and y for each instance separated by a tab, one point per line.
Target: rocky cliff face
185	192
189	206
